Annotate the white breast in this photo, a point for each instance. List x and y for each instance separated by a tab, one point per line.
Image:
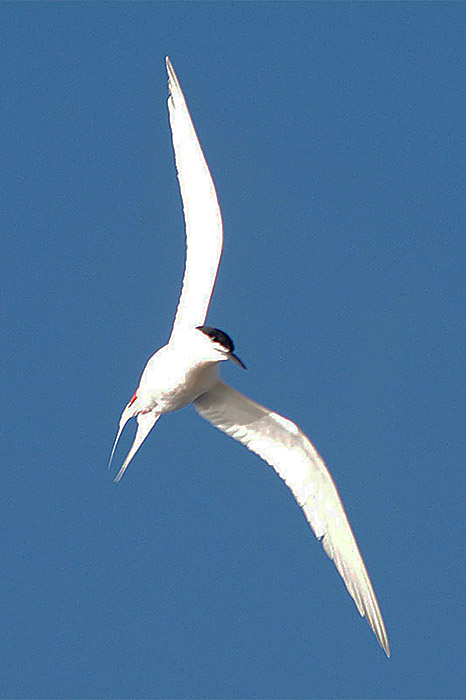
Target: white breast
172	379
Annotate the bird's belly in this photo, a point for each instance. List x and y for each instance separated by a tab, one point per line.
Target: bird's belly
168	389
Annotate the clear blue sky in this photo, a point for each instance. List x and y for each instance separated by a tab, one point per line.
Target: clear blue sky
336	137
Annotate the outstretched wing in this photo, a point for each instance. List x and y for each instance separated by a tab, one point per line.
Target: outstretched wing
282	445
203	220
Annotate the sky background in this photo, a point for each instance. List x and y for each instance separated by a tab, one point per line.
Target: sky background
336	137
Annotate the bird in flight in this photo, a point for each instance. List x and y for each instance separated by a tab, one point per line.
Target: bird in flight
186	370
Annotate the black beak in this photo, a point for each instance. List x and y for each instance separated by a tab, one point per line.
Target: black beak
234	358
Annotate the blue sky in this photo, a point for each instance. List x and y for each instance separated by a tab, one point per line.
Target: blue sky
336	137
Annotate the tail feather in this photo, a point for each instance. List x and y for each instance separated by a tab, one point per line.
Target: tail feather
146	422
127	414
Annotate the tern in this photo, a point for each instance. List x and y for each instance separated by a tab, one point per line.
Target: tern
186	370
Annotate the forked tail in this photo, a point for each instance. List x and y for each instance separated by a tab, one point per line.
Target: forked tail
146	422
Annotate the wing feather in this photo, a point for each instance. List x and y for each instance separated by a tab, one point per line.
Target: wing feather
285	447
203	220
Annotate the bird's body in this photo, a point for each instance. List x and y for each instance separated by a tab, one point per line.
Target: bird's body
175	376
186	370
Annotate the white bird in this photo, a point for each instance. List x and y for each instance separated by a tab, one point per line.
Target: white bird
186	370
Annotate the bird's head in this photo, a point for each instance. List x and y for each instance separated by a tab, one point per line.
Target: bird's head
218	345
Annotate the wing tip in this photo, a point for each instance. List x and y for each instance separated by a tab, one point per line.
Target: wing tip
383	641
173	82
377	625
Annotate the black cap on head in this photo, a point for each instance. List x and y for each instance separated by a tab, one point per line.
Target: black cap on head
224	340
218	336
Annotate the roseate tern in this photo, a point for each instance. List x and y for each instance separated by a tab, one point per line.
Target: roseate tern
186	370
